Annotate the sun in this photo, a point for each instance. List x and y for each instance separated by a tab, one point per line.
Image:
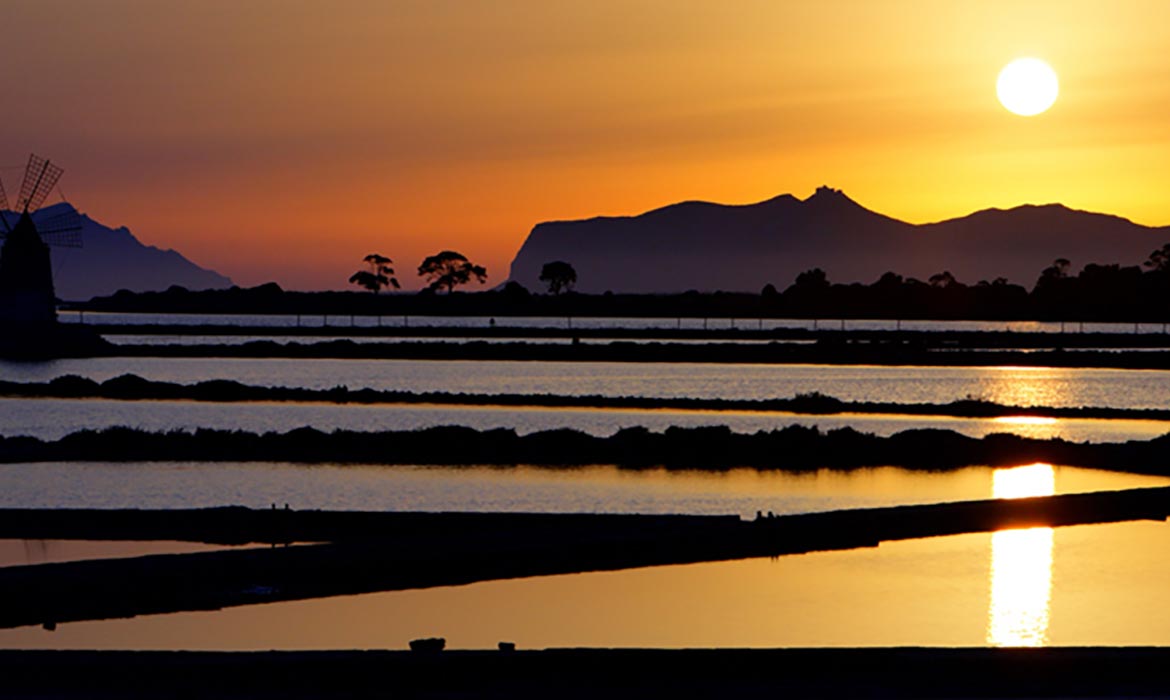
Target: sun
1027	86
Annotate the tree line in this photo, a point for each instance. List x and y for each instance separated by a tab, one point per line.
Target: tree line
445	270
1098	292
448	270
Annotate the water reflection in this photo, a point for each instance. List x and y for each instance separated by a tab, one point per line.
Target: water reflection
1107	590
15	552
1021	565
1025	420
51	419
1024	386
1121	388
1036	427
594	489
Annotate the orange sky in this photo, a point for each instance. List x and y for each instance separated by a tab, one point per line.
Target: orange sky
285	139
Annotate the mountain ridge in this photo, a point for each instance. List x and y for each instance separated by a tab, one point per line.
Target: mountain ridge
709	246
111	259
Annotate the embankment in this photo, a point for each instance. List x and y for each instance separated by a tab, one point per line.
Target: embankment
711	448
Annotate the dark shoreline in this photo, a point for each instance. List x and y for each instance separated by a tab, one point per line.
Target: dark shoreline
130	387
828	333
793	448
1084	672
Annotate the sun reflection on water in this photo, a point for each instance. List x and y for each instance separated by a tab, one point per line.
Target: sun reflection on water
1025	386
1025	420
1021	565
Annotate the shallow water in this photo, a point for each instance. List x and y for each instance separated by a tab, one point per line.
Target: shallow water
1021	386
597	489
51	419
1101	584
1087	585
25	552
1091	585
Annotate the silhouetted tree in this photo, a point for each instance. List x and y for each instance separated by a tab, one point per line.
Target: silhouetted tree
889	280
379	275
1103	291
448	269
999	298
809	294
1159	260
1058	270
769	291
1055	291
1155	284
1052	275
943	280
885	297
559	276
814	279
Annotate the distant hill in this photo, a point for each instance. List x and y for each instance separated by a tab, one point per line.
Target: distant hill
704	246
113	259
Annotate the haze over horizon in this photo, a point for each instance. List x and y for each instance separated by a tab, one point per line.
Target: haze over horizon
286	140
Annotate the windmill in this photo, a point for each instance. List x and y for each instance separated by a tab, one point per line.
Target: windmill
26	274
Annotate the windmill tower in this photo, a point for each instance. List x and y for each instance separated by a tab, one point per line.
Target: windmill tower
26	273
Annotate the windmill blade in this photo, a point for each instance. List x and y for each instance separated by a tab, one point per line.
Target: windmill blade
40	177
62	229
64	239
4	209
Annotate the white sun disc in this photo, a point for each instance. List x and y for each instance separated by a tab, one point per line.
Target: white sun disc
1027	86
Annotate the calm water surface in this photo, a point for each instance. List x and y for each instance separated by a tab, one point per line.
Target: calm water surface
1088	585
1101	584
598	489
1007	385
24	552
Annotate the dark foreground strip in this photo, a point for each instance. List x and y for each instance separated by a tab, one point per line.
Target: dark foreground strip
594	673
791	448
382	552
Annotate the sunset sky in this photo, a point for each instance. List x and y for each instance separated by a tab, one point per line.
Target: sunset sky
285	139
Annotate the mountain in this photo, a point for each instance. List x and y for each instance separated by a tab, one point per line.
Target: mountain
112	259
704	246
